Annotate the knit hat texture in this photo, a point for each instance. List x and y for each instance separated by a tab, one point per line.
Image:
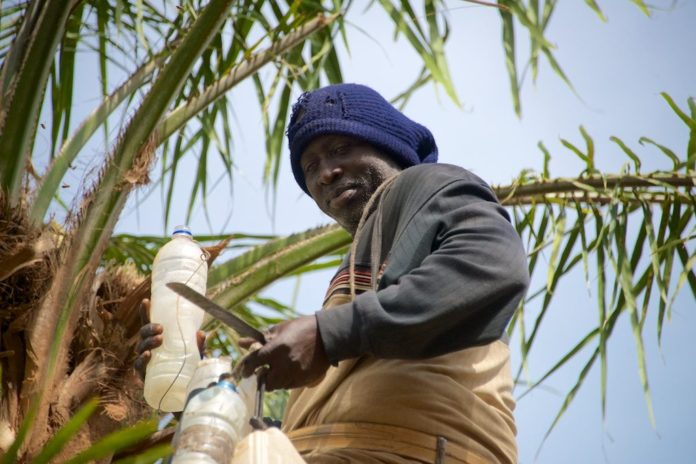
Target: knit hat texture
358	111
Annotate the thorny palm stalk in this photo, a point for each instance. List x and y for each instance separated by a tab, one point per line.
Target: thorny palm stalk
63	371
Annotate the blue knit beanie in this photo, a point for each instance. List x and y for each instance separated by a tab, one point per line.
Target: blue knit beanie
358	111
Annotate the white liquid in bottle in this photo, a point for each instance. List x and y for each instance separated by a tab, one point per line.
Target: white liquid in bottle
173	364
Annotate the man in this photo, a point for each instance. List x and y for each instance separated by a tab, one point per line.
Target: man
406	362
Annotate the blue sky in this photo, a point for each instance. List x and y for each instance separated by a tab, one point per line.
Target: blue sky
618	69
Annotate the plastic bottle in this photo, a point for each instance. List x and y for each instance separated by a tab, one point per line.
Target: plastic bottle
173	364
211	426
208	372
270	446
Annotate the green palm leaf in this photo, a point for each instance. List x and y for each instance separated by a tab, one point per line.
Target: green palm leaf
19	114
238	279
107	199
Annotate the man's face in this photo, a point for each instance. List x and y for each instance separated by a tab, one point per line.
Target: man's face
342	173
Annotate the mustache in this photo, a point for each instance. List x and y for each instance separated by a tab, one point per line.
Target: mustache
340	188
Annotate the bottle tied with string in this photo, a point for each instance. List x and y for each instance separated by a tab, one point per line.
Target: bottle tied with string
174	362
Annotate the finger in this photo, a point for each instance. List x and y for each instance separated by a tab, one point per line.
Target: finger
252	361
151	330
200	340
273	382
246	342
141	363
144	311
149	343
282	378
249	364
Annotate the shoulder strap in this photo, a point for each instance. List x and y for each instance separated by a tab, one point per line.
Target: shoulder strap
376	245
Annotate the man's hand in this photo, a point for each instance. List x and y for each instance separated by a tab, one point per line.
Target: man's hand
151	338
294	353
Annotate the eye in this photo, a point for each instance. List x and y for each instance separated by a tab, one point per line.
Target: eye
309	167
339	149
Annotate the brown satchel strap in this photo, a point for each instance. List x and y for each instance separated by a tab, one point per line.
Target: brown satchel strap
404	442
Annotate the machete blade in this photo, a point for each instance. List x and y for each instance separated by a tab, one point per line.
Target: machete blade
217	311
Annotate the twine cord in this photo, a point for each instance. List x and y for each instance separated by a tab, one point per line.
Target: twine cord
376	250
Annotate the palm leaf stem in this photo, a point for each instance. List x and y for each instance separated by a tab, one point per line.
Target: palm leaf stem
630	199
124	169
581	186
245	280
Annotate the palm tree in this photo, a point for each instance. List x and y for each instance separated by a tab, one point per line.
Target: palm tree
71	290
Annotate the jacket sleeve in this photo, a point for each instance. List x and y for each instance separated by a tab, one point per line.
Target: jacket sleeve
455	275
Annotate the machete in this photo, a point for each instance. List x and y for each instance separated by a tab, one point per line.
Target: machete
217	311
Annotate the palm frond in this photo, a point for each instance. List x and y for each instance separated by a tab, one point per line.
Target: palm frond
103	205
62	436
240	278
26	73
641	222
121	440
72	146
428	46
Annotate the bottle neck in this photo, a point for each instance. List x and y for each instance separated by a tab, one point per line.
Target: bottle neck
182	230
228	385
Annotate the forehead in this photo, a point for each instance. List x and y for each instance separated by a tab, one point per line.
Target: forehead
324	143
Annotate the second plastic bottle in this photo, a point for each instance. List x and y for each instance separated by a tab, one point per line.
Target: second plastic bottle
211	426
172	364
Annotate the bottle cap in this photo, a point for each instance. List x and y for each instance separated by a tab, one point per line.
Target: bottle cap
182	230
227	384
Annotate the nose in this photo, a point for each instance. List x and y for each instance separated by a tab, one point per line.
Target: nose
329	172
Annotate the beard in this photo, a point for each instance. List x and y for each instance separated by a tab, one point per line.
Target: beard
365	186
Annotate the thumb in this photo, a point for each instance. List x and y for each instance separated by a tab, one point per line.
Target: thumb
248	363
144	311
252	361
246	342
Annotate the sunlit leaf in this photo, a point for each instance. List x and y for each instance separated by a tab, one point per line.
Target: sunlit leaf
510	59
570	396
66	432
250	272
630	153
562	361
669	153
114	442
149	456
593	4
643	7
